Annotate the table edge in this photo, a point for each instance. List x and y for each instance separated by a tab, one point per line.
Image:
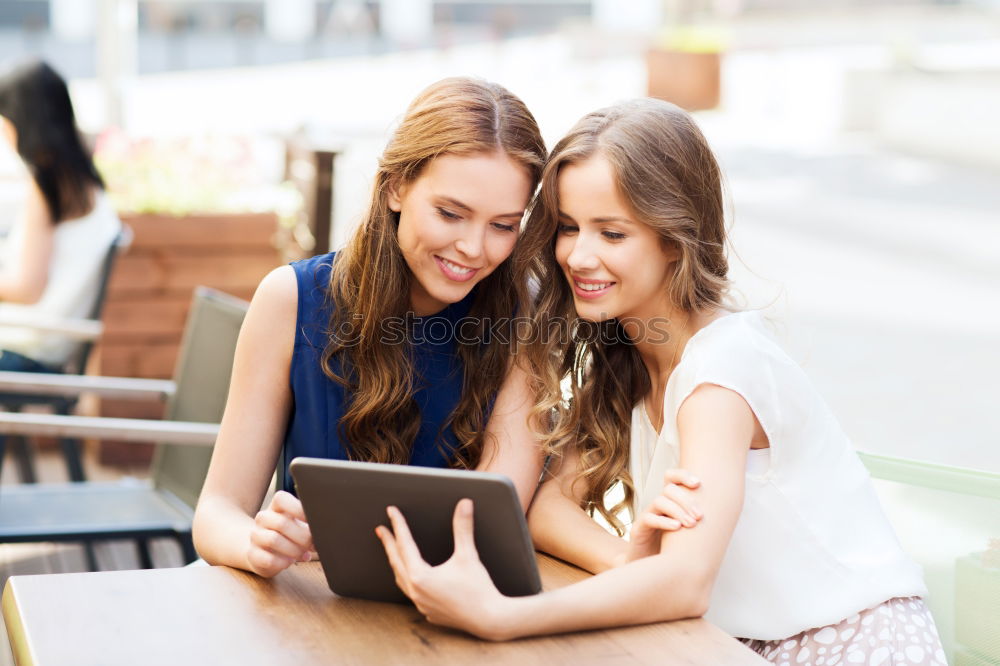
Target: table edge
20	646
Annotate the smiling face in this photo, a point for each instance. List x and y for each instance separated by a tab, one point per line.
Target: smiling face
617	267
458	221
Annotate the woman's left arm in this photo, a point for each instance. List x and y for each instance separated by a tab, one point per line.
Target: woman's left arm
26	282
511	446
716	427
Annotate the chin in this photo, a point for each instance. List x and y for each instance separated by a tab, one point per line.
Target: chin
451	296
593	314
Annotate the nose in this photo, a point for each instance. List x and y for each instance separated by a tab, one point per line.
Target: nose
471	241
581	257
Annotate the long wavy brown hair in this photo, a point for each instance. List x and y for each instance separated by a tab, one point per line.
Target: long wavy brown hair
371	281
667	174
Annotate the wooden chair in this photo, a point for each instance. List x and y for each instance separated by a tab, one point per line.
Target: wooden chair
86	332
948	519
89	511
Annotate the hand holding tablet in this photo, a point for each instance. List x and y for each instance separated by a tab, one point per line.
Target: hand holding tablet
345	501
442	593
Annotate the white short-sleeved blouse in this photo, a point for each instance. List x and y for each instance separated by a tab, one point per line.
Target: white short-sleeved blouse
812	545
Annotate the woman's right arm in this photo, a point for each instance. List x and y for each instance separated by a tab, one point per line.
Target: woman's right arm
716	427
229	527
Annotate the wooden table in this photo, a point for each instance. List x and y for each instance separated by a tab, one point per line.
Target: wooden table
218	615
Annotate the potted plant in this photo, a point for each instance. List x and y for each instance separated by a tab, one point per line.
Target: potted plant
684	63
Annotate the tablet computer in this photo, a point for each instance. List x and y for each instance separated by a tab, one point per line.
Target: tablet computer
345	501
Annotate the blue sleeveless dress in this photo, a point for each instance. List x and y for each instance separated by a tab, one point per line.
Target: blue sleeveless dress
318	402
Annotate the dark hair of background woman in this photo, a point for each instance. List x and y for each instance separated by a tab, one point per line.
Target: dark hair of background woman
35	99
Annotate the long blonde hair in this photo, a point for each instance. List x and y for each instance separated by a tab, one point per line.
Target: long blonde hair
666	172
371	281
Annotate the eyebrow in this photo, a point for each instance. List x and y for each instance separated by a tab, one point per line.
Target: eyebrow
600	220
465	207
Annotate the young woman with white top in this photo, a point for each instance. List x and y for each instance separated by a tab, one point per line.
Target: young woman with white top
784	542
51	259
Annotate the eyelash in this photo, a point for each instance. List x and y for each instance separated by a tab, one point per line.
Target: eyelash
453	217
447	214
610	235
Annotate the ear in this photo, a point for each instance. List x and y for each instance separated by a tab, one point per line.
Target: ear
672	252
394	196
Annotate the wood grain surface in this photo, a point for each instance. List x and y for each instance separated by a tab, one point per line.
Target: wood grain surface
217	615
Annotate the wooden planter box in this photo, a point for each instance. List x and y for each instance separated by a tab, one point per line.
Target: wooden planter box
692	81
150	293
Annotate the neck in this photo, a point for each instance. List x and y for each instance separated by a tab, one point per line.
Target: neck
660	339
421	303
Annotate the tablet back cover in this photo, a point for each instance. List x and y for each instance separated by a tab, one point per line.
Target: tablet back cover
345	501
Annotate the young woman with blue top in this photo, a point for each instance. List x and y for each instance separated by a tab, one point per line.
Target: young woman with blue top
783	544
388	351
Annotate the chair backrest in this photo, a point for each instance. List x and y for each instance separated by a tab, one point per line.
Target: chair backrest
948	520
202	377
77	363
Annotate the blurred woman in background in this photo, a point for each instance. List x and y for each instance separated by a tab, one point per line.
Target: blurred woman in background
51	259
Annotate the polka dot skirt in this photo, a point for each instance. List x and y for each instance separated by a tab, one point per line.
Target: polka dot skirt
897	632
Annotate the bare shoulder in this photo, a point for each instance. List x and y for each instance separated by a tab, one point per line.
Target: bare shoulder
278	288
277	295
273	310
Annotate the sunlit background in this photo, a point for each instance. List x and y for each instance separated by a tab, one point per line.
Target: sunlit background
860	140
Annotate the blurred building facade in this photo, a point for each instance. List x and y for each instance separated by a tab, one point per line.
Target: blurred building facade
176	35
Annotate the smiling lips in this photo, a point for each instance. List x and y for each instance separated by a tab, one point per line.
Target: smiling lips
590	289
453	271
